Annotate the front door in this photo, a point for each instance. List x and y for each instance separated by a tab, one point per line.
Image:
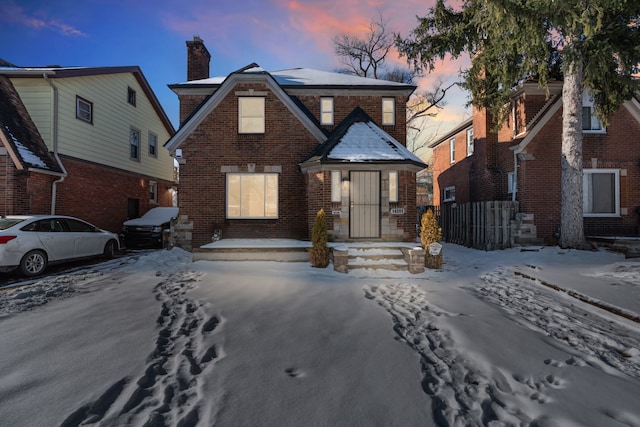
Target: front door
364	215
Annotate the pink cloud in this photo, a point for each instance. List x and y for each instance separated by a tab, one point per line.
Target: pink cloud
11	12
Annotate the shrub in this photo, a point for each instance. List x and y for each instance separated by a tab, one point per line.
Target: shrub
319	248
430	232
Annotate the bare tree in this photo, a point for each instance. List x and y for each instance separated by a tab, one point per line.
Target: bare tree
366	56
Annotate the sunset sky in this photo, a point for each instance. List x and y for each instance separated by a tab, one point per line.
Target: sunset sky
276	34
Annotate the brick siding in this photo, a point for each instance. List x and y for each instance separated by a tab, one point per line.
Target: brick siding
484	176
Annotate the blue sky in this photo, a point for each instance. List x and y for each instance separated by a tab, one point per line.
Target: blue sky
276	34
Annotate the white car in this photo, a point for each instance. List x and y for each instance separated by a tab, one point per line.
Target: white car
35	241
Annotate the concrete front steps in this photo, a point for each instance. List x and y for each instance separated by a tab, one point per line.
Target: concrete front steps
386	258
377	256
345	256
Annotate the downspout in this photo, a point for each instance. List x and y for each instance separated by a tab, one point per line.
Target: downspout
54	185
515	176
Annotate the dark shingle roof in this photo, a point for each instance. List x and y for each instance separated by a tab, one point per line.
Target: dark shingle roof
21	134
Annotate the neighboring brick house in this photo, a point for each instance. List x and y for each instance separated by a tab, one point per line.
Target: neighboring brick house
85	142
262	152
521	162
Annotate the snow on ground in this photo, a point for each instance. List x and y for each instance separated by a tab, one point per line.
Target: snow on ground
542	337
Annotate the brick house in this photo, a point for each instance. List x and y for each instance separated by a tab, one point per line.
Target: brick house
261	152
85	142
521	162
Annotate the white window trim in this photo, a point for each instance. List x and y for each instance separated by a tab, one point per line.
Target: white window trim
328	102
389	102
452	150
449	190
153	192
587	101
80	110
470	142
137	132
154	137
131	96
259	129
336	186
616	173
265	199
393	186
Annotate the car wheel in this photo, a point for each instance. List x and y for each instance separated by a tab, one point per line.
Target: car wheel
33	263
109	249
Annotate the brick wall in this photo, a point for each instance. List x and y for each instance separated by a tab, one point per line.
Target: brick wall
23	193
539	174
215	148
216	144
372	105
99	194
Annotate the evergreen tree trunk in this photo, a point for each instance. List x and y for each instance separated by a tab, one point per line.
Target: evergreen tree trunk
571	220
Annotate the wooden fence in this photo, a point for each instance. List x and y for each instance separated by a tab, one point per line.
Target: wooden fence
481	225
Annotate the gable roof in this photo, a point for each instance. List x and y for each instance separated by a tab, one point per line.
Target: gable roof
249	74
19	135
10	70
453	132
357	139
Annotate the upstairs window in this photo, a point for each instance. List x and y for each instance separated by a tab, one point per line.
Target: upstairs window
470	145
590	123
452	150
153	145
326	111
251	114
131	96
601	192
84	110
388	112
134	144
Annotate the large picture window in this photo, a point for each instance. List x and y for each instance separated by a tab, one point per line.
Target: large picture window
252	196
601	192
251	114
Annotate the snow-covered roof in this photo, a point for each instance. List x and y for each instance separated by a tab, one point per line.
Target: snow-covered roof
306	77
359	139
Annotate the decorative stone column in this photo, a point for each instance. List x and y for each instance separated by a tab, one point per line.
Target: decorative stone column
340	259
415	259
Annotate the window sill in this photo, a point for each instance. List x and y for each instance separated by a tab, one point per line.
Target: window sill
601	215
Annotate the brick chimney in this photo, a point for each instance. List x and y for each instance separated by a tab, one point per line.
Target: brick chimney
198	58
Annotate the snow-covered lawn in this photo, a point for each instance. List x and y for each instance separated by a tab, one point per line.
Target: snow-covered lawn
494	338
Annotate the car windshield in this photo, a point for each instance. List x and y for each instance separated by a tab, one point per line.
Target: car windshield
8	222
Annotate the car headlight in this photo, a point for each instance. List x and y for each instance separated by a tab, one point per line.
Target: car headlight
157	229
